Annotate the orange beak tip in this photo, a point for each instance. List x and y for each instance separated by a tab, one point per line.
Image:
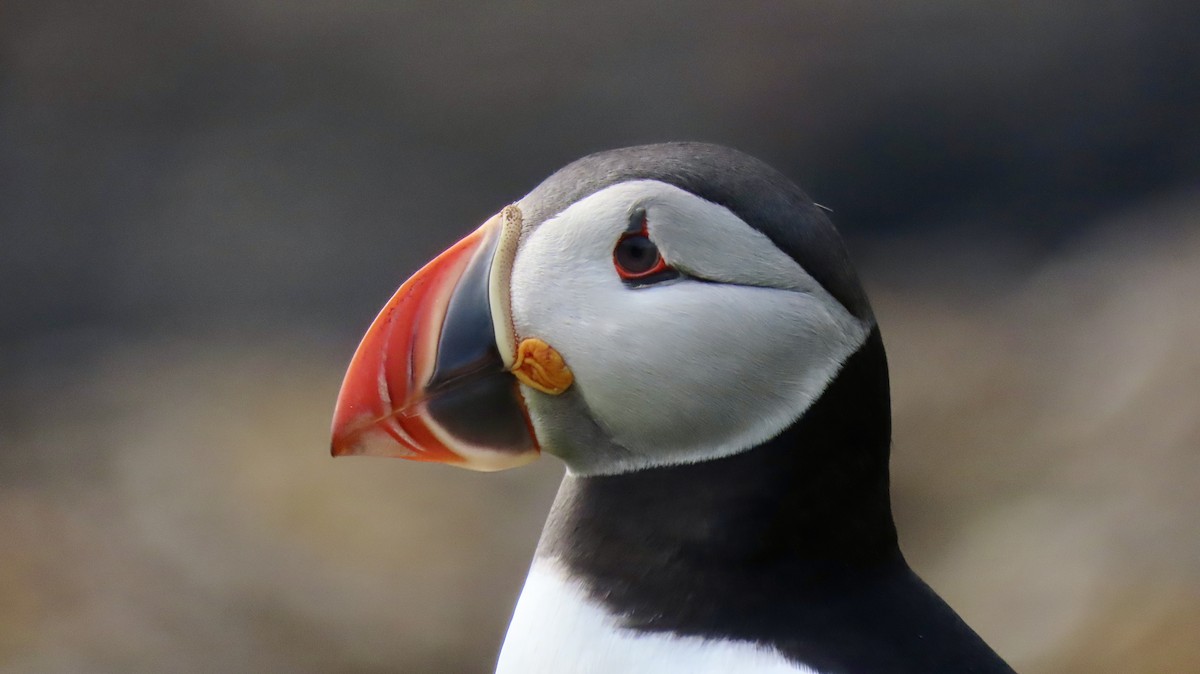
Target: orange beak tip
436	341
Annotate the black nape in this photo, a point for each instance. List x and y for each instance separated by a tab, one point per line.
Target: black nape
790	544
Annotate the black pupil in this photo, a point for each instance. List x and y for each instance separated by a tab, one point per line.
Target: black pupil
637	254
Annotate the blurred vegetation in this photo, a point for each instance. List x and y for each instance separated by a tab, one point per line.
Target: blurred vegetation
203	204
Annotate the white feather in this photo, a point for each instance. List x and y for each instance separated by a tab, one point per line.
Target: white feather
558	629
683	371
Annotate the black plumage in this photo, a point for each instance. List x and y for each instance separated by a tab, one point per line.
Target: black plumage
790	544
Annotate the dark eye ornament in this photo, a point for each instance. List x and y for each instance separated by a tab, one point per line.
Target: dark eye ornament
637	259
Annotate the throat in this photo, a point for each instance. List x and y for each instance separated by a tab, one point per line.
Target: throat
681	546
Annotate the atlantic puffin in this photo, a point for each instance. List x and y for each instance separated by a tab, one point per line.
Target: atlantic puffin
681	325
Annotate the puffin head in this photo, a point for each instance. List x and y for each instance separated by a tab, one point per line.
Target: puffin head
649	306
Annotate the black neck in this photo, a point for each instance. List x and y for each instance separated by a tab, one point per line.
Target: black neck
790	544
817	492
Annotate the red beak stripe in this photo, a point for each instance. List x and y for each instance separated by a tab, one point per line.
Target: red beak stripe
379	409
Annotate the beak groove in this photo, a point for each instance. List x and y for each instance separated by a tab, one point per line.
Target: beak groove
428	380
435	377
378	408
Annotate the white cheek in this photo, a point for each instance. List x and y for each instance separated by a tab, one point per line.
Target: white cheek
683	371
560	272
718	366
694	371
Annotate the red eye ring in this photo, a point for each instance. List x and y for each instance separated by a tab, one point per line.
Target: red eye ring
636	257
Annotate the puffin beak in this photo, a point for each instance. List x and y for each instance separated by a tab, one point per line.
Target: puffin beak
435	378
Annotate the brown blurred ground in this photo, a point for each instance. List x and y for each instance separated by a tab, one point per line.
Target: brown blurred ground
170	506
203	203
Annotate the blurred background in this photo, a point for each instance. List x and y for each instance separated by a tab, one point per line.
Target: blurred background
203	204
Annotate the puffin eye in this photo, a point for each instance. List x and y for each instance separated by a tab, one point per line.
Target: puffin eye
636	254
637	259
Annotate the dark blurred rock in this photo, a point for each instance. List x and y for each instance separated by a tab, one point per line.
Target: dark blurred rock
174	164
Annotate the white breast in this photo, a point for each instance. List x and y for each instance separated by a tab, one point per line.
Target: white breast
557	628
